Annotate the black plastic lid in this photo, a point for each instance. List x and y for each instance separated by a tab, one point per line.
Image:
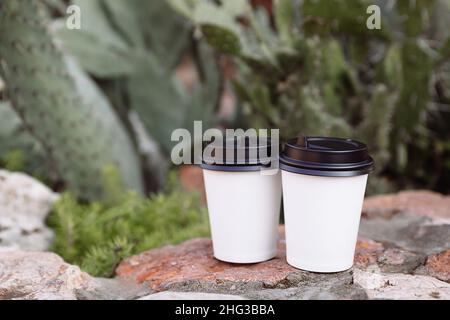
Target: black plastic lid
241	154
328	157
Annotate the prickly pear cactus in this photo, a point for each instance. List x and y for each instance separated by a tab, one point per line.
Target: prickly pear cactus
60	105
141	43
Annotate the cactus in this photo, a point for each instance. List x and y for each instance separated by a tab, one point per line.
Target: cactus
139	44
19	150
314	66
60	105
9	122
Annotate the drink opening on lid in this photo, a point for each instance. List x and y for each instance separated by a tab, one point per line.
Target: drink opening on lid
323	156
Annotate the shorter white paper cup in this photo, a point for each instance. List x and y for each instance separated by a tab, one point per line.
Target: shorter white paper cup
322	216
244	211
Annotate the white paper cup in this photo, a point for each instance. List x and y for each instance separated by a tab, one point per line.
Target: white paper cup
322	217
243	201
244	212
323	198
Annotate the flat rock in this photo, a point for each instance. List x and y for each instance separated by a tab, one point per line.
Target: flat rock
407	231
192	260
401	286
39	276
190	267
24	206
169	295
403	254
419	203
45	276
370	253
438	266
416	221
404	237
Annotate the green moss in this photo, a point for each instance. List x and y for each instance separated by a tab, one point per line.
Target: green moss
98	236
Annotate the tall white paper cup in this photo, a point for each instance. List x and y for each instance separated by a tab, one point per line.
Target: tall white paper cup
244	211
324	181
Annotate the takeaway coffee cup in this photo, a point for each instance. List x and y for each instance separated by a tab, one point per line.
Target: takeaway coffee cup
324	181
243	203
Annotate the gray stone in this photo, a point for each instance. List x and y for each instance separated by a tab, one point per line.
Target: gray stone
169	295
418	234
339	286
401	286
45	276
112	289
299	285
24	206
395	260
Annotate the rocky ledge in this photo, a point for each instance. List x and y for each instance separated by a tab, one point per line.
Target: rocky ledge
403	253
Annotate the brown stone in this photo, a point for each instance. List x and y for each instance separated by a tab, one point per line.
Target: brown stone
417	227
438	266
422	203
367	252
193	260
390	260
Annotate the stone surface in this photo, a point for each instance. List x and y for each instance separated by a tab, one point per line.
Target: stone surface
403	252
302	285
192	261
39	276
421	203
45	276
407	231
191	267
401	286
395	260
438	266
391	260
24	206
170	295
416	221
404	244
367	252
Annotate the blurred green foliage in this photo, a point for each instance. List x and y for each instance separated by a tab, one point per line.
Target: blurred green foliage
98	236
60	106
132	48
313	67
310	67
137	45
68	97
